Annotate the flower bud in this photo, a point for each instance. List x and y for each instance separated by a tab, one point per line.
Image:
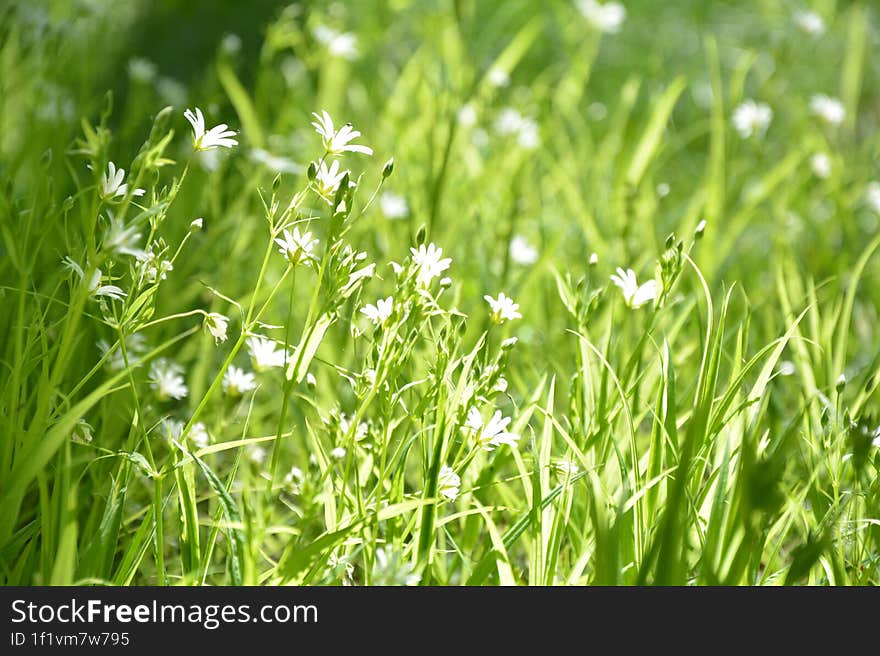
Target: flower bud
388	169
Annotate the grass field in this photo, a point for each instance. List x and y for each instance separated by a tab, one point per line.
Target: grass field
593	299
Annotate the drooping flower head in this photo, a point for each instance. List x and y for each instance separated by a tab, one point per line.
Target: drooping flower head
218	136
216	324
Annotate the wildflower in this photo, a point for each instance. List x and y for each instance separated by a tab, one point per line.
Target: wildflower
492	433
345	423
339	44
841	382
96	289
198	434
634	294
171	429
142	70
786	368
594	259
810	22
337	142
296	247
393	206
166	379
821	165
135	344
294	479
508	121
566	468
231	43
467	115
752	118
828	109
521	251
662	189
430	262
448	483
327	180
264	353
122	239
872	195
197	224
503	308
338	453
606	17
390	568
528	136
700	229
215	323
498	77
218	136
500	385
380	312
113	185
258	455
237	381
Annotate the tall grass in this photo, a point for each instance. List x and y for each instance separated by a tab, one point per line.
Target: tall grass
724	432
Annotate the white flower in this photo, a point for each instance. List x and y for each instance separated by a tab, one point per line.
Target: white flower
522	252
122	239
135	344
157	269
493	433
528	136
786	368
448	483
876	440
257	455
295	247
634	294
752	118
142	70
96	289
336	141
294	479
430	262
166	379
498	77
872	195
566	468
339	44
237	381
113	185
810	22
198	433
701	228
594	259
171	429
231	43
327	180
197	224
662	189
508	121
379	312
360	432
393	206
503	308
606	17
264	353
821	165
338	453
218	136
390	568
467	115
827	108
500	385
215	323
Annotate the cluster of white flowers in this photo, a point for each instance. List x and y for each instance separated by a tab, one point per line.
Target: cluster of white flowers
490	434
607	17
634	295
752	118
166	379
